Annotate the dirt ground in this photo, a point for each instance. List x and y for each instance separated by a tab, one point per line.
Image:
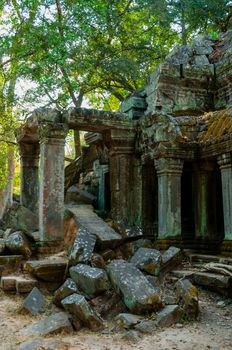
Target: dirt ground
213	330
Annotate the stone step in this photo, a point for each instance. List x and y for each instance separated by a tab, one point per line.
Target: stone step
212	281
19	283
205	258
85	217
10	263
50	270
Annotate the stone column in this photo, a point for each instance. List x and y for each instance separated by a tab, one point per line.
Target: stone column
103	169
51	204
29	175
205	186
225	163
169	172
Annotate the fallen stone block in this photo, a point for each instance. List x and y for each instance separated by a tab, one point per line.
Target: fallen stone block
20	218
187	298
68	287
25	285
51	270
146	327
139	295
7	233
2	245
34	303
8	283
58	322
168	316
82	248
10	263
91	280
44	344
148	260
127	231
108	305
79	308
132	336
126	320
18	244
86	218
171	258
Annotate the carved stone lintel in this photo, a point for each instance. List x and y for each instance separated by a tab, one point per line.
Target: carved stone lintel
52	133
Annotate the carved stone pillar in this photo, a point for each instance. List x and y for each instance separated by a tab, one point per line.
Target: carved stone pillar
29	175
103	170
125	179
169	172
225	162
51	204
205	195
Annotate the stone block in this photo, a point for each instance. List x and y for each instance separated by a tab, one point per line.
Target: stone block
56	323
34	303
146	327
91	280
82	248
20	218
8	283
25	285
125	320
79	308
68	287
126	231
18	244
138	294
2	245
10	263
148	260
51	270
171	258
187	298
168	316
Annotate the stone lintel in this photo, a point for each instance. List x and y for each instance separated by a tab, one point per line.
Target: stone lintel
169	166
52	133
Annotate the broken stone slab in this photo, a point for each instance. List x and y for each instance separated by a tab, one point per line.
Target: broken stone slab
10	263
51	270
25	285
127	231
20	218
79	308
82	248
91	280
138	294
58	322
171	258
211	281
45	344
148	260
187	298
2	245
126	320
146	327
68	287
18	244
34	303
8	283
168	316
86	218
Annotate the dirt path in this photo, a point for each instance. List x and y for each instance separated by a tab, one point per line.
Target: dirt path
212	331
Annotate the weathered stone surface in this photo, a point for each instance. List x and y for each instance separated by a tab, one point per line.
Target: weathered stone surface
97	261
47	269
34	303
139	295
143	243
68	287
86	218
91	280
132	336
212	281
127	231
82	248
168	316
18	244
21	218
146	327
10	263
2	245
187	298
8	283
171	258
108	305
55	323
79	308
148	260
1	233
127	320
7	233
45	344
25	285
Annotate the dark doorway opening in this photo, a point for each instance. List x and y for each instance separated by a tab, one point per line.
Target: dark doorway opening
187	203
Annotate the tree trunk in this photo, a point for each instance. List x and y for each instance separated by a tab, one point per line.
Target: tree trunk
10	175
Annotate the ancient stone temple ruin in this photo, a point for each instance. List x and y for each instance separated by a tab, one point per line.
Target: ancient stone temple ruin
163	162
